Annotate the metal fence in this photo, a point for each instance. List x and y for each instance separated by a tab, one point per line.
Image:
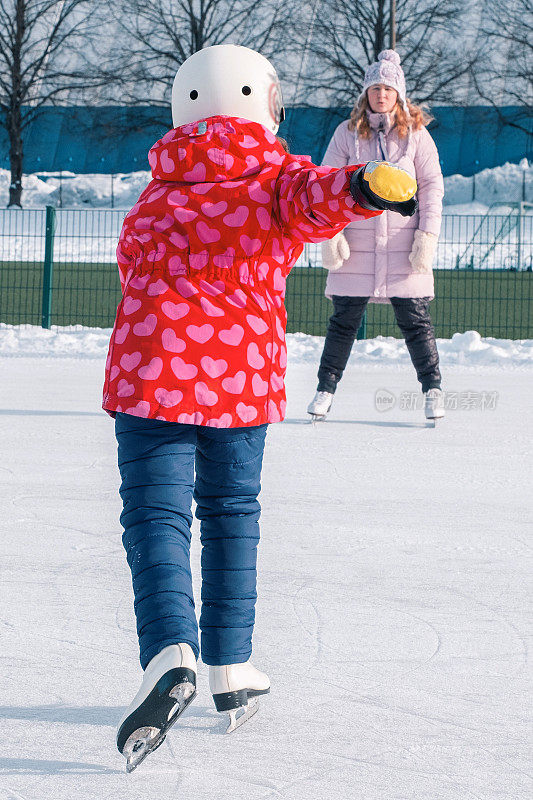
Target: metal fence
57	267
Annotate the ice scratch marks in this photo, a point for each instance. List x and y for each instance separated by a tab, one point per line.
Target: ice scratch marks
9	794
361	638
308	616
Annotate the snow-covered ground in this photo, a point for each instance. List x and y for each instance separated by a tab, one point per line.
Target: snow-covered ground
467	349
393	590
497	185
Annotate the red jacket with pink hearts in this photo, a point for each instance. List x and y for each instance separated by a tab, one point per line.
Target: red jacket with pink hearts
203	256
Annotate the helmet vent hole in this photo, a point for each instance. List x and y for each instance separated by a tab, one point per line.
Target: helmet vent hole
246	90
193	95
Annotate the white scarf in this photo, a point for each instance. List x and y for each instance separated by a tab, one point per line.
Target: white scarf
382	124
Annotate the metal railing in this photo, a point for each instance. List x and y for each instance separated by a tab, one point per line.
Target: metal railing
57	267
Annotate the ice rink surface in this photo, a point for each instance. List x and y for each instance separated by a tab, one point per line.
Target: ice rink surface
393	601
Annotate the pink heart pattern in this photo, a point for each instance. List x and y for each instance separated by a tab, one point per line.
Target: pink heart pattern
254	357
212	288
250	246
210	309
121	333
238	298
182	370
157	287
246	413
196	174
214	209
174	310
237	218
204	395
171	342
224	421
206	234
257	324
203	258
233	336
214	368
200	333
129	361
235	385
131	305
147	327
152	371
259	386
125	389
168	397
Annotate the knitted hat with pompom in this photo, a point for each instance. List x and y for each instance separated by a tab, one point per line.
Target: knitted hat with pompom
386	70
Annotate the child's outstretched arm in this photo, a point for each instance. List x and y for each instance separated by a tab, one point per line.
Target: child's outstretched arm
315	203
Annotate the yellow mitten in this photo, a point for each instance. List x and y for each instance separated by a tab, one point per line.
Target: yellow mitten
380	185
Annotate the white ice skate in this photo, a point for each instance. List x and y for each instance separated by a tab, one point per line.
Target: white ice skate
434	405
169	685
319	406
235	689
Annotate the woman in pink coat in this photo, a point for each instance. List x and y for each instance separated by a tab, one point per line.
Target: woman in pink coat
389	258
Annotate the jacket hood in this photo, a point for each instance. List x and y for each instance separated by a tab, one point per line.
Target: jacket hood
212	150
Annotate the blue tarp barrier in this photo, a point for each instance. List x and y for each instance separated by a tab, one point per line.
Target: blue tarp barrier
112	139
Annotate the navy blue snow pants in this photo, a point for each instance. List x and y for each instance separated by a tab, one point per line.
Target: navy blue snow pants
164	465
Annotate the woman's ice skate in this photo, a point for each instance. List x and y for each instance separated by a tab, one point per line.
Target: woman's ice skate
235	689
169	685
319	406
434	404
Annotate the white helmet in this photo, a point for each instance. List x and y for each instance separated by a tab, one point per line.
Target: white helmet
228	80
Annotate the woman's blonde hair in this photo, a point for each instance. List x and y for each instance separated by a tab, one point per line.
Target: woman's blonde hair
283	143
418	118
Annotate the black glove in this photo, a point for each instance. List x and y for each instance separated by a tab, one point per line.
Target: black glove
381	186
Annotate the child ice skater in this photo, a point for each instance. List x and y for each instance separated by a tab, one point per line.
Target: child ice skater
196	368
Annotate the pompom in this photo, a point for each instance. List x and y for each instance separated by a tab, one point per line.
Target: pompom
389	55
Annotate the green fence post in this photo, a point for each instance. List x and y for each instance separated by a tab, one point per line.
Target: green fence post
361	333
519	235
48	266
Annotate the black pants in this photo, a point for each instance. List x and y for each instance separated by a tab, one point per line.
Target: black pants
413	319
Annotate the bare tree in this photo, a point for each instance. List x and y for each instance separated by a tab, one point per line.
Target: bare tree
155	38
504	73
36	38
348	35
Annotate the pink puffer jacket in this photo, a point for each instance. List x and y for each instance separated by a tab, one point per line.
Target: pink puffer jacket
379	266
199	336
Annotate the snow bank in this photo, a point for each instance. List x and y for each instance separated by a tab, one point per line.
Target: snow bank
509	183
71	341
464	349
505	184
77	191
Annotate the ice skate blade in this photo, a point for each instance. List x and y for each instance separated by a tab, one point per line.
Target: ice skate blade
432	421
317	418
141	743
162	711
238	716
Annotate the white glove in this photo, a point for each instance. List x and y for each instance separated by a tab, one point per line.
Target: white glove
335	251
423	251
